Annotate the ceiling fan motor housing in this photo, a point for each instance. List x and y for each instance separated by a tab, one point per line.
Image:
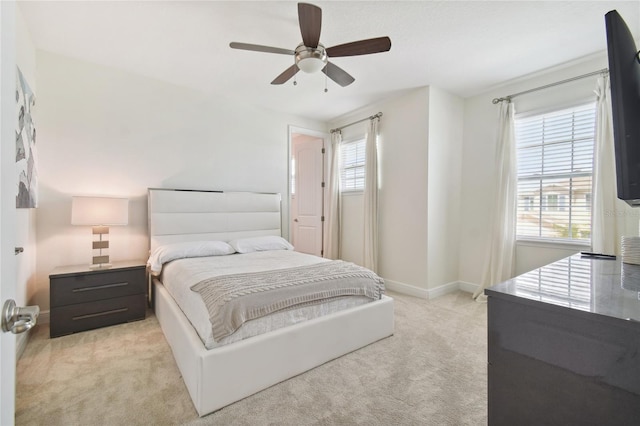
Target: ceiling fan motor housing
310	59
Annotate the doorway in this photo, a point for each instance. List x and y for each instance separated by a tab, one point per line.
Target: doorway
306	190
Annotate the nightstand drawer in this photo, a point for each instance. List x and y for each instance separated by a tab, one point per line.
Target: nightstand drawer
86	316
81	288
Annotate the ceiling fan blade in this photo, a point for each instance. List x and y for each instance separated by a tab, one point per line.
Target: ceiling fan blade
337	74
259	48
286	75
362	47
310	19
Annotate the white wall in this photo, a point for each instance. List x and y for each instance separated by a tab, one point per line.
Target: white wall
419	160
445	154
478	161
402	207
102	131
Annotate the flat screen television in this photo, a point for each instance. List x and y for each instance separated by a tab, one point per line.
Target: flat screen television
624	72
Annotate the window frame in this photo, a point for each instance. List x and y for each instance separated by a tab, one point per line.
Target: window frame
563	203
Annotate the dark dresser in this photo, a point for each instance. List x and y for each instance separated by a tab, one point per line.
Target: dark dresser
564	345
83	299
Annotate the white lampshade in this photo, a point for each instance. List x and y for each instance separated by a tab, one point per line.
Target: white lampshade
99	211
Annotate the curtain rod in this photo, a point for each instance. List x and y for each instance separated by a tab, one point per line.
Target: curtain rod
557	83
337	129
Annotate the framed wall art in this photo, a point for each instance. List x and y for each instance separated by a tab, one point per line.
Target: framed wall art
26	159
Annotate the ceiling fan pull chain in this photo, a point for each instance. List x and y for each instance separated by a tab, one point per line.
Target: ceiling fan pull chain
325	84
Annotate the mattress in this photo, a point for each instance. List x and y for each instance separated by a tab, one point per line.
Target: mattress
179	275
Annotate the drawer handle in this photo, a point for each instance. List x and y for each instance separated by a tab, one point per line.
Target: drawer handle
100	287
100	314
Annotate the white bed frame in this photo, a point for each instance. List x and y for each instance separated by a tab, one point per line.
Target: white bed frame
220	376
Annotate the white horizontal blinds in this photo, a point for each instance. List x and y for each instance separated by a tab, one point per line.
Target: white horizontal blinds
555	167
352	166
566	283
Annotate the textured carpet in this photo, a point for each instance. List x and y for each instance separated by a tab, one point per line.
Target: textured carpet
432	371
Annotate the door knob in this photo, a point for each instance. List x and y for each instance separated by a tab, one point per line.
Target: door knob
18	319
295	220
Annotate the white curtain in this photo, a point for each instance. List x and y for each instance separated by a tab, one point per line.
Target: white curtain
333	210
370	259
611	217
500	265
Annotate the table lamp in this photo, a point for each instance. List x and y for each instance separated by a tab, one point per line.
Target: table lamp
100	213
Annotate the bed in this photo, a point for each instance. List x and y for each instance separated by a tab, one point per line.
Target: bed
220	371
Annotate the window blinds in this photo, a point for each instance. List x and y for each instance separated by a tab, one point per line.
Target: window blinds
352	166
555	167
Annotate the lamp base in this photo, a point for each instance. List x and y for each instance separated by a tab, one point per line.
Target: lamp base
101	266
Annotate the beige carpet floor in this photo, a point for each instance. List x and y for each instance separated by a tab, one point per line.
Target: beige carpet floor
432	371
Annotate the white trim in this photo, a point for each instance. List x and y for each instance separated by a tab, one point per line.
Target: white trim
443	289
407	289
553	244
468	287
430	293
587	100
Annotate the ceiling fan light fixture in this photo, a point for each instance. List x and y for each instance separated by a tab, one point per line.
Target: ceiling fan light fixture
311	60
311	65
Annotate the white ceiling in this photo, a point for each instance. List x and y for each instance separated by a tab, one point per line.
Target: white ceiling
464	47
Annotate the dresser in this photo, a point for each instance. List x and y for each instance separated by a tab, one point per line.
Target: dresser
82	298
564	345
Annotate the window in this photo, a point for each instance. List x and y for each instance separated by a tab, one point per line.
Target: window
352	170
555	167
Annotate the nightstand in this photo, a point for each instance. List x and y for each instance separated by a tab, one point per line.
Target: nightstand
82	298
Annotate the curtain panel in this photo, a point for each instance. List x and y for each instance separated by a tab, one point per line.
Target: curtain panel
370	222
501	262
611	217
333	211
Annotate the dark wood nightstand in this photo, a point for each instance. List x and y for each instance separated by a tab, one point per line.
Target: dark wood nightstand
83	299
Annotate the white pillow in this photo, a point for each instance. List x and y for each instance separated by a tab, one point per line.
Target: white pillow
272	242
168	252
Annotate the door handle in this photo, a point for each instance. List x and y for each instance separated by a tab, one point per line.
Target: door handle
18	319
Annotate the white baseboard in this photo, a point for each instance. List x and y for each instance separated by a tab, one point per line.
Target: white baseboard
430	293
443	289
468	287
407	289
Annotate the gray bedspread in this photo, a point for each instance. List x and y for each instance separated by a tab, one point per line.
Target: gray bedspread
234	299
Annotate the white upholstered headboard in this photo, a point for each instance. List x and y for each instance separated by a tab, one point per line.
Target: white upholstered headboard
177	215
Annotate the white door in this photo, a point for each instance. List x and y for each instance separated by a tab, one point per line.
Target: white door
7	205
307	199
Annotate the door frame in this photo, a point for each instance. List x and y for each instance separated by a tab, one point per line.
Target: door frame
326	141
7	203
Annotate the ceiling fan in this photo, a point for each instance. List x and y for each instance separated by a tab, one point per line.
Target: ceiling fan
311	56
